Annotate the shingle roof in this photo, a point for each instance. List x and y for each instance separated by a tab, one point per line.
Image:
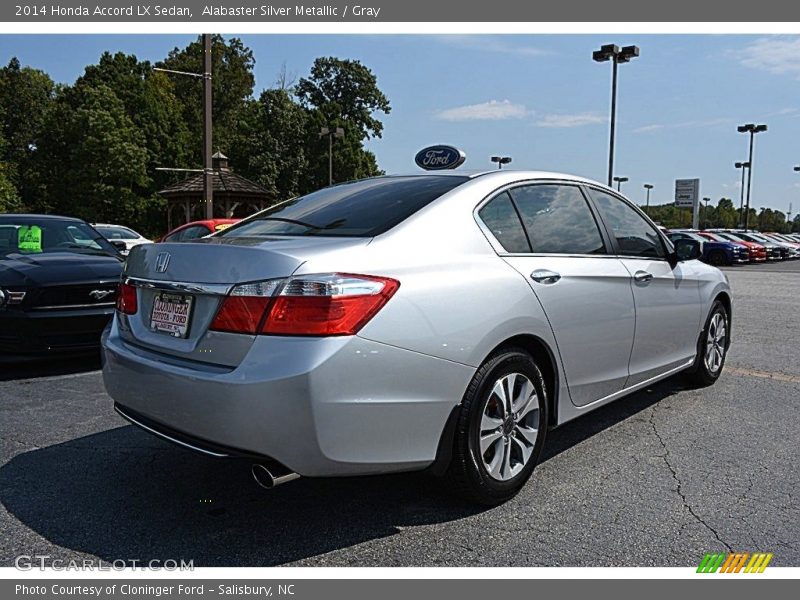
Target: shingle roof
225	182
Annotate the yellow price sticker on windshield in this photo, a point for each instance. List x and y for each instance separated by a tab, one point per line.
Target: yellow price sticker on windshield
222	226
29	238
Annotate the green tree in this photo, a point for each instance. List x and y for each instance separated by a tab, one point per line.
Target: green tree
341	93
26	96
9	199
232	88
93	158
347	90
151	103
274	147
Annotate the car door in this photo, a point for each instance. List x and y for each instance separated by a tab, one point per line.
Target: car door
548	232
667	297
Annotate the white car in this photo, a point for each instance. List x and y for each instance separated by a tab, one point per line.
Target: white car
119	233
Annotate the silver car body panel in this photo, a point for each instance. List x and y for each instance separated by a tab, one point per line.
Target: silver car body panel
379	401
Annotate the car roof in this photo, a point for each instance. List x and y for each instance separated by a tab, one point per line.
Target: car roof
9	216
502	174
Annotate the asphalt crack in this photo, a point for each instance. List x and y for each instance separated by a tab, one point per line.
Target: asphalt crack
679	483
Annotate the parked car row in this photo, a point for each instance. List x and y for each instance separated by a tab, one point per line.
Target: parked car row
733	246
59	278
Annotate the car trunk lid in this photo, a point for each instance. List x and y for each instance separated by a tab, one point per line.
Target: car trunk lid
194	278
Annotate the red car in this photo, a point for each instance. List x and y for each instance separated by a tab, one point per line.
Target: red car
757	252
197	229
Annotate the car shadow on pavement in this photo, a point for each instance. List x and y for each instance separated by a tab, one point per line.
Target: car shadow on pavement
124	495
12	369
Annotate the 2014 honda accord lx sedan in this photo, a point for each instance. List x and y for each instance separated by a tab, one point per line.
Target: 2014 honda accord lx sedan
433	321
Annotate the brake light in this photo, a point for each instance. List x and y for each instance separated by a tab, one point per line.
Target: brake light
245	307
308	305
126	299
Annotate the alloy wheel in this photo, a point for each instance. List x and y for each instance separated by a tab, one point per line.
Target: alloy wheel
509	426
716	342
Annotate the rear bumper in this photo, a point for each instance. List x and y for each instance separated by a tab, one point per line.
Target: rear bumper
48	332
319	406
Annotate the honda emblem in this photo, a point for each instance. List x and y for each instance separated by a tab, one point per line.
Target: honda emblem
162	262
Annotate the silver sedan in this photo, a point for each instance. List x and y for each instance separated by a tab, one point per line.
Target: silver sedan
433	321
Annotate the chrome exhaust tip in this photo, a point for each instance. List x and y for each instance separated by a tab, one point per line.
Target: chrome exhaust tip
267	478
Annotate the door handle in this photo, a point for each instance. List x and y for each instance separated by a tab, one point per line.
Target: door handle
642	276
545	276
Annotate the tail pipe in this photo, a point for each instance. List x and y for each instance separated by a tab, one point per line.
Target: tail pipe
268	476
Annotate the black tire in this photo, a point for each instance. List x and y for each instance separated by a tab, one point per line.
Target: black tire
717	258
700	374
467	474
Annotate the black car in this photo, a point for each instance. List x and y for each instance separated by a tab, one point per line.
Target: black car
58	285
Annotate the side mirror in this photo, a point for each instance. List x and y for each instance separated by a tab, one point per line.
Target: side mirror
119	245
687	250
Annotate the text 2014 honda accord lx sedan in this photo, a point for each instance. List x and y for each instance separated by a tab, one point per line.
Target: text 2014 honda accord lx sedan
433	321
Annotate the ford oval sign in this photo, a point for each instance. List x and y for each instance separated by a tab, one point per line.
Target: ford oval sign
436	158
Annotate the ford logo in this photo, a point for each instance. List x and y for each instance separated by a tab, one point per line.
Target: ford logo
436	158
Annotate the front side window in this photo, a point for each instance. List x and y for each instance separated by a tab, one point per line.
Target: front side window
194	232
558	219
634	235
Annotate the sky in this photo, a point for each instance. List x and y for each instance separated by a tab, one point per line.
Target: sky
542	100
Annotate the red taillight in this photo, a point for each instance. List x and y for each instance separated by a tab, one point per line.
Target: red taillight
240	314
126	299
311	305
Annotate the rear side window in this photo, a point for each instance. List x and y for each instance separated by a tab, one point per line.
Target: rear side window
558	219
502	219
634	235
363	208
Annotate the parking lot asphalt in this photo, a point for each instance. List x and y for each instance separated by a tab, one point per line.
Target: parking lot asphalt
655	479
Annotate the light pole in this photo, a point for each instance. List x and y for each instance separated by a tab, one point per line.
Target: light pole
648	187
331	131
620	181
501	160
743	166
705	213
208	165
752	129
617	56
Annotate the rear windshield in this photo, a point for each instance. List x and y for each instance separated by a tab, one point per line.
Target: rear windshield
363	208
117	233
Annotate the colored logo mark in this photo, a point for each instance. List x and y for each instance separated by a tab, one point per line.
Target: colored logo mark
735	562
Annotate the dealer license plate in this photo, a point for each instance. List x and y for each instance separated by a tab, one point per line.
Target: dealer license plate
171	314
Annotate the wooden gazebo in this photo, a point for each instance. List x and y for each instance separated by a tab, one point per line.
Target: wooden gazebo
234	195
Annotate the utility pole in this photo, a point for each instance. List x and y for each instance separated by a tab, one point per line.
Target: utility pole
331	131
208	166
752	129
617	56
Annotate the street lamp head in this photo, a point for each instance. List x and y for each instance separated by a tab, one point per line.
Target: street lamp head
621	179
759	128
742	165
500	160
797	168
600	56
606	53
648	186
627	53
